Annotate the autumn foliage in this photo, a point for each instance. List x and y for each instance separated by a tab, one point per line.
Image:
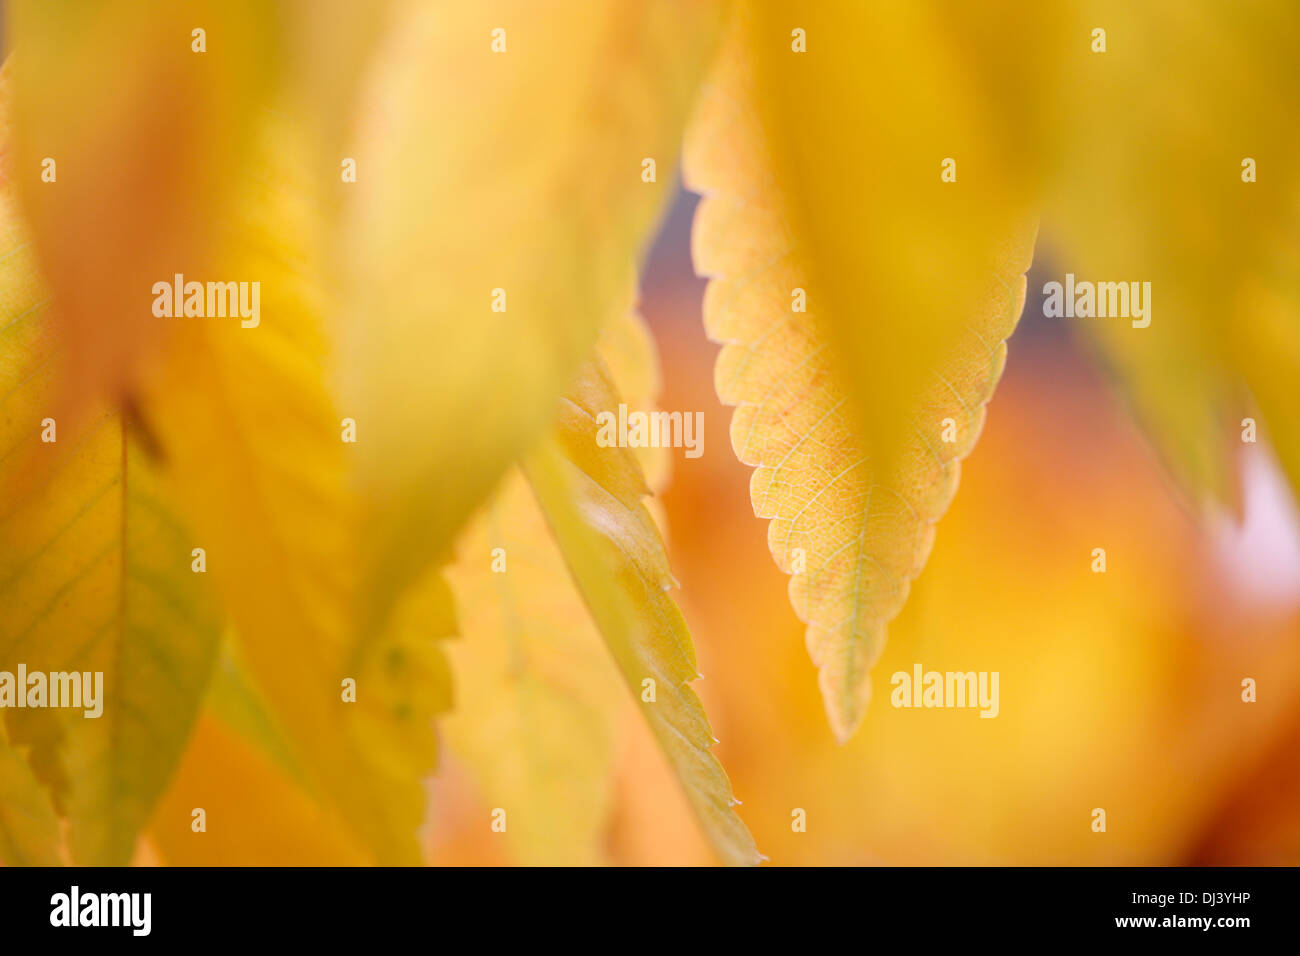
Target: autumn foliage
364	585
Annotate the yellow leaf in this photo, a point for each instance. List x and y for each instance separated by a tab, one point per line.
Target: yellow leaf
1181	177
235	701
591	497
95	577
204	204
331	44
1155	192
862	301
494	226
261	804
406	679
29	828
538	696
1266	348
628	350
277	510
537	690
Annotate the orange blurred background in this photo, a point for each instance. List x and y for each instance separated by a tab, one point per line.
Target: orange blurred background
1120	691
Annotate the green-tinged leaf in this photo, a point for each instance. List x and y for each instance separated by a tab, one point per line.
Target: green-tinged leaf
95	578
29	827
591	497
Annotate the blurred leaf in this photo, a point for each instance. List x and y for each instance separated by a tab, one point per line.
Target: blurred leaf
261	396
255	814
531	185
539	703
591	497
628	350
207	205
1153	191
538	697
857	411
29	827
332	45
94	576
241	738
148	148
235	701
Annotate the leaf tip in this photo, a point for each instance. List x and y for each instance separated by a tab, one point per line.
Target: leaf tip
846	703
